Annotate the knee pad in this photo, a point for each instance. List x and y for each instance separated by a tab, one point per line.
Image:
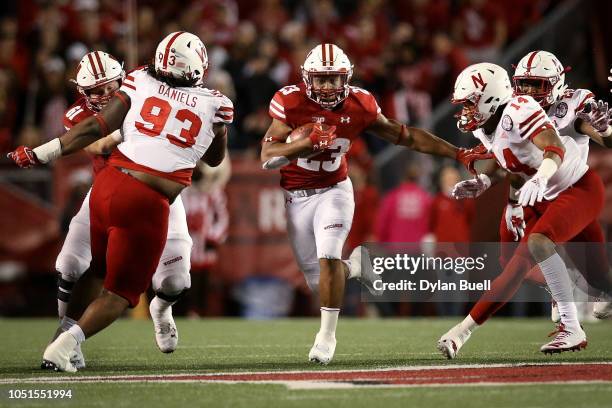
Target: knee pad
173	285
71	267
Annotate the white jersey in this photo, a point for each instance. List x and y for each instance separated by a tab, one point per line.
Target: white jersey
563	115
511	143
167	130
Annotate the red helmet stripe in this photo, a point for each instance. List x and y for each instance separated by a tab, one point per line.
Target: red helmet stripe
331	54
102	71
530	60
324	56
93	66
168	46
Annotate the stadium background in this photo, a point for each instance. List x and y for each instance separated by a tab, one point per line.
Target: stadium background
406	52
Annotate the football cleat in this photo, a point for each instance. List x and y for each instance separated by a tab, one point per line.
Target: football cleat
76	358
602	310
166	334
361	268
451	342
565	340
57	354
322	351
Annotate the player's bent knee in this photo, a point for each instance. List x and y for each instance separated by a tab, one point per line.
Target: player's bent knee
174	285
71	267
540	246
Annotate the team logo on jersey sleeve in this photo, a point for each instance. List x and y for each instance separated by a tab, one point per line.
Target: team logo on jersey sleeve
507	123
561	110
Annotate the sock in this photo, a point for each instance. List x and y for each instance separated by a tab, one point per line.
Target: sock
66	323
329	321
77	333
468	324
560	285
160	306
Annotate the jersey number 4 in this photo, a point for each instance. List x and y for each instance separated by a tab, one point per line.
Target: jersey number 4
155	112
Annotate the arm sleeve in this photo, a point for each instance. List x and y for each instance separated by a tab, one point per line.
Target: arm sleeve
225	111
277	108
530	117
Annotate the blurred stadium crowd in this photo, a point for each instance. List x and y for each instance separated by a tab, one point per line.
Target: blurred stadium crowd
407	52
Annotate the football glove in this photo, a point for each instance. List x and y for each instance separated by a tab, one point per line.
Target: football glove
471	188
515	221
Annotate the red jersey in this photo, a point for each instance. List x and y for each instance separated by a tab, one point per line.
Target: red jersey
292	106
76	113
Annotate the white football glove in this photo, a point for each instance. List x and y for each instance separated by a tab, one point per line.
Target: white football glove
533	190
471	188
515	221
610	79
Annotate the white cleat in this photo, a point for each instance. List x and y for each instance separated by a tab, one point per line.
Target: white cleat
359	258
322	351
166	334
76	358
565	340
602	310
451	342
57	354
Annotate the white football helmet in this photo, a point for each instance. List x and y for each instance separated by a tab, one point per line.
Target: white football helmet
540	75
326	73
481	89
97	69
182	55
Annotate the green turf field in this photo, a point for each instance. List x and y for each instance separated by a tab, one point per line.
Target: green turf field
128	348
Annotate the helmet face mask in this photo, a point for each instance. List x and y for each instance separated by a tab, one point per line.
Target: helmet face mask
328	89
469	118
100	95
98	76
540	75
326	73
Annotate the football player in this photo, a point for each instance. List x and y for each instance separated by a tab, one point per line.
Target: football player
318	194
576	114
526	143
99	75
168	122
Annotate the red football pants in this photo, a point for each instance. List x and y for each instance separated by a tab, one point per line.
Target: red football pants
129	225
572	216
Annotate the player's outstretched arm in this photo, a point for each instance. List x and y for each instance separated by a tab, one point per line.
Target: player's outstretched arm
98	126
81	135
216	151
414	138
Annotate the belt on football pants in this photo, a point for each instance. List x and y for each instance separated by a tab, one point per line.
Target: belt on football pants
308	192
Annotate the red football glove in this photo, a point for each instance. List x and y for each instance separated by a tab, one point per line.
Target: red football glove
24	157
322	139
468	157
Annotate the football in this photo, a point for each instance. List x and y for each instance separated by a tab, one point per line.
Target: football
303	131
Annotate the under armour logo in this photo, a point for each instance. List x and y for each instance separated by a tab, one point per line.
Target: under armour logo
345	119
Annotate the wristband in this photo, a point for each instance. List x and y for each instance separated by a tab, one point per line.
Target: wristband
554	149
49	151
547	169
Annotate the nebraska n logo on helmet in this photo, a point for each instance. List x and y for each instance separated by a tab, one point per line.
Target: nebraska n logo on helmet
96	69
182	55
540	75
326	73
481	89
